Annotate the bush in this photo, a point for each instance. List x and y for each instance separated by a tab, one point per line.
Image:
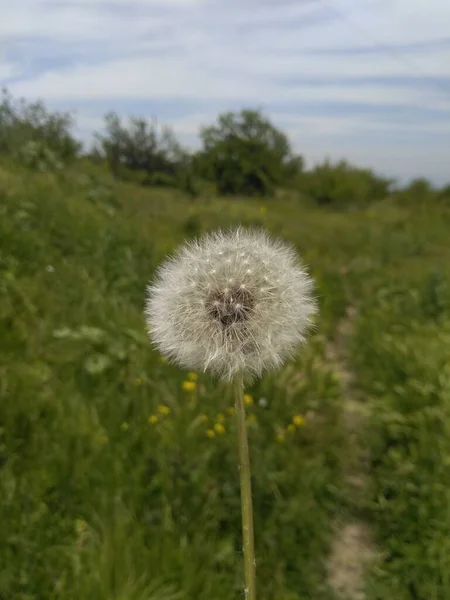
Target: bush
29	131
139	147
245	154
342	184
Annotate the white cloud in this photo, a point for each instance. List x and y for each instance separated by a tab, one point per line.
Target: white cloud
312	56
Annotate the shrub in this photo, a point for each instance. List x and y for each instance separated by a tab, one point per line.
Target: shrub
245	154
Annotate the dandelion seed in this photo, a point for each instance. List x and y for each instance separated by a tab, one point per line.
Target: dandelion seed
188	386
163	410
248	400
262	402
229	328
210	433
153	419
299	420
219	428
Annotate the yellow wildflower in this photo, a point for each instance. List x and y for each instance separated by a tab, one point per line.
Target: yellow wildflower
220	418
230	410
192	376
124	427
163	409
210	433
189	386
219	428
80	526
153	419
248	400
298	420
291	427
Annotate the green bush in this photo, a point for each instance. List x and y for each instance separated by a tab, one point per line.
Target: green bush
245	154
38	136
342	185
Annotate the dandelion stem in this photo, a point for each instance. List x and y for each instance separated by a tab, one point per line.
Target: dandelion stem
246	492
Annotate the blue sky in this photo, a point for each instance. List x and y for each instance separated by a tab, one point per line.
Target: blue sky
366	80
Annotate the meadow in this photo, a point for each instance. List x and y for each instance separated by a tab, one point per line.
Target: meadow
118	475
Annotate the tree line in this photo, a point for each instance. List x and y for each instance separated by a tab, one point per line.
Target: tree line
242	153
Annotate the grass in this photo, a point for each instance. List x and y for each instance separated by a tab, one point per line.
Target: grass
118	479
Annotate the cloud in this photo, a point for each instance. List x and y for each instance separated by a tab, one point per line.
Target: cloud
339	75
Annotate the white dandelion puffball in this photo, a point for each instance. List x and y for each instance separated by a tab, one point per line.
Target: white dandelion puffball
230	302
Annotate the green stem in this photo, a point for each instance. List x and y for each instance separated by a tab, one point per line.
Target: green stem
246	492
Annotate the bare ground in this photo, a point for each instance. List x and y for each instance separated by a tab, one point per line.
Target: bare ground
352	551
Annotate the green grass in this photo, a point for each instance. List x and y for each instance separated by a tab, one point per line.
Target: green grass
98	502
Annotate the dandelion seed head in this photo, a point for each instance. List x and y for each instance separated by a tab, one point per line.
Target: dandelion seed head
249	310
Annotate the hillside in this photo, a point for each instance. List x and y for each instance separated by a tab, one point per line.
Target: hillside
118	478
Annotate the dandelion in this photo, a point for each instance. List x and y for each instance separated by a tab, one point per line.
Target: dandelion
192	376
163	410
235	303
298	420
188	386
219	428
124	427
232	303
153	419
248	400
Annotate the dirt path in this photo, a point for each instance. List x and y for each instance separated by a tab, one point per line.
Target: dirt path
352	550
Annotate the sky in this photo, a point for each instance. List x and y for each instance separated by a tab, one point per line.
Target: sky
362	80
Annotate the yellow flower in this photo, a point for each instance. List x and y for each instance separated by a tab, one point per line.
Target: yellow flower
192	376
248	400
280	438
163	410
230	410
220	418
137	381
153	419
210	433
251	419
203	418
124	427
291	427
219	428
298	420
80	526
189	386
